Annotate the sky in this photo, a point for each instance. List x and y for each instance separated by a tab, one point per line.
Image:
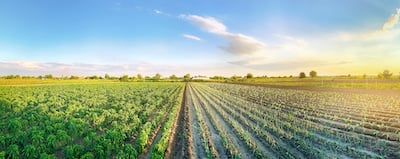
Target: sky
200	37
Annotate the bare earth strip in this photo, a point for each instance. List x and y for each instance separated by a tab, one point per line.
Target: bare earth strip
179	144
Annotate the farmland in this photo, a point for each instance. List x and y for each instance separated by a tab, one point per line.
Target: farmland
259	122
87	121
194	120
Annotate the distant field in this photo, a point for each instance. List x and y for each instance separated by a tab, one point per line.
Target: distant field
110	119
326	82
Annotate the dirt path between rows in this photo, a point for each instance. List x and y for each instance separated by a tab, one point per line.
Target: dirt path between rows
179	144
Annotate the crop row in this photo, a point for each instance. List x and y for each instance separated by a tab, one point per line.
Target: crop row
295	117
87	121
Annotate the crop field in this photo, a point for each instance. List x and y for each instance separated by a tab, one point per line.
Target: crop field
88	121
194	120
236	121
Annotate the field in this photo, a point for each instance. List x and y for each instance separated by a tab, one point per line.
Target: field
194	120
368	83
87	121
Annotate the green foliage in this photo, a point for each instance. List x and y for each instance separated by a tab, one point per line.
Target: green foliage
157	77
49	76
173	77
83	121
106	76
386	74
186	77
313	74
124	78
73	77
2	155
30	151
249	75
87	155
13	151
302	75
47	156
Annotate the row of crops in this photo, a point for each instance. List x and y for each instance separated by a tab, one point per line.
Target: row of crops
237	121
114	120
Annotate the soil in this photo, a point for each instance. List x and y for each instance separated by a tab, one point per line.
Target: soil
179	143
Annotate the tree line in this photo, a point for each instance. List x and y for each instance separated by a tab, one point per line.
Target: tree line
386	74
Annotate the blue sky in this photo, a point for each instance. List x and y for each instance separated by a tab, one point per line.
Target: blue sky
88	37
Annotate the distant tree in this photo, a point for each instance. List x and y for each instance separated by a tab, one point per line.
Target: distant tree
249	75
73	77
106	76
218	77
12	77
92	77
302	75
139	76
236	77
364	76
173	77
313	74
49	76
157	77
186	77
124	78
386	74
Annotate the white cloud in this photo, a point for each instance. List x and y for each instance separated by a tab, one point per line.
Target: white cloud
158	11
388	32
208	24
191	37
238	44
392	21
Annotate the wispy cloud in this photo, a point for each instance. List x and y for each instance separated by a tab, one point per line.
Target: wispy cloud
160	12
392	21
387	32
191	37
238	44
